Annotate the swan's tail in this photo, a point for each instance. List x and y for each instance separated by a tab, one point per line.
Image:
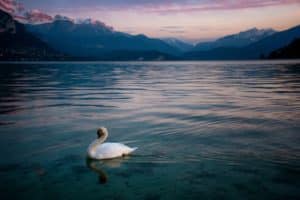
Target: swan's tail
133	149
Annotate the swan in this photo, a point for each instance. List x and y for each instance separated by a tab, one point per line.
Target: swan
99	150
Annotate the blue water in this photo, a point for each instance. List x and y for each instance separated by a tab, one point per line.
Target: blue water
205	130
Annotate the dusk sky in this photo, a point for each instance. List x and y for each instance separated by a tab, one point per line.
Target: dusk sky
192	20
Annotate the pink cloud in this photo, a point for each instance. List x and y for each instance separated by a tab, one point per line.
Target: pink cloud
18	12
11	6
181	6
216	5
37	16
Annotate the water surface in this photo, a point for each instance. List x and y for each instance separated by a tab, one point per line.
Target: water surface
205	130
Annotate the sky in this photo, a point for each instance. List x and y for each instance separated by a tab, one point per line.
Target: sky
191	20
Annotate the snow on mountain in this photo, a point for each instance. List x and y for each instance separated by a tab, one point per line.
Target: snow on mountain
253	34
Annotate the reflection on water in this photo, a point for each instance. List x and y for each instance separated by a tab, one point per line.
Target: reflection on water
92	164
211	130
98	165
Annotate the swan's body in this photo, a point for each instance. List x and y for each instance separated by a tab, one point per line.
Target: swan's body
108	150
99	150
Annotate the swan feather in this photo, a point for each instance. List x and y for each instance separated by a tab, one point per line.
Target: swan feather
99	150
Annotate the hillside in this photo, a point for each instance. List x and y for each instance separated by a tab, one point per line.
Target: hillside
290	51
17	44
90	38
240	39
253	51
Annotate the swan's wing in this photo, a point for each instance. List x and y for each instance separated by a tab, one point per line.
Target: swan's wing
112	150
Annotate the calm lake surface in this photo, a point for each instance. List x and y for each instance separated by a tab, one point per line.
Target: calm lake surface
204	130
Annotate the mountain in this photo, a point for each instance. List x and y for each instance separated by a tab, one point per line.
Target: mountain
240	39
179	44
89	38
17	44
273	42
290	51
252	51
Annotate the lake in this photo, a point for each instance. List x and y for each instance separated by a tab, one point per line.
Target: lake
204	130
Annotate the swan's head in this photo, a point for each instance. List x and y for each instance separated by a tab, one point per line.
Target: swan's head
102	132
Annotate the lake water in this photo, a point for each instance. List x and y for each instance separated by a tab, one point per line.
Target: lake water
204	130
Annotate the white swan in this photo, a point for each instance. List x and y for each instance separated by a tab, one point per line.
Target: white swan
108	150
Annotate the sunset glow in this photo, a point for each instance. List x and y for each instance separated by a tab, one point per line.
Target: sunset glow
190	20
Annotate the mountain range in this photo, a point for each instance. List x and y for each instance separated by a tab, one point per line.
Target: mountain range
255	50
63	38
241	39
94	38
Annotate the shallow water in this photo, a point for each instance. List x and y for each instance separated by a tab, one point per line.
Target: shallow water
205	130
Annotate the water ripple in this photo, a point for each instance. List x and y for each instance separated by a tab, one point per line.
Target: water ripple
175	112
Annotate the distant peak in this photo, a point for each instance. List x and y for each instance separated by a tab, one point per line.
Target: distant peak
256	30
141	35
252	29
90	21
63	18
252	33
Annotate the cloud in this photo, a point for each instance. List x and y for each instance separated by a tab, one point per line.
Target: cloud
158	6
172	29
174	32
11	6
216	5
183	5
18	12
36	16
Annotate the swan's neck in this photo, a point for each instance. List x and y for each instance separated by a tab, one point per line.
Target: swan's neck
98	141
101	139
